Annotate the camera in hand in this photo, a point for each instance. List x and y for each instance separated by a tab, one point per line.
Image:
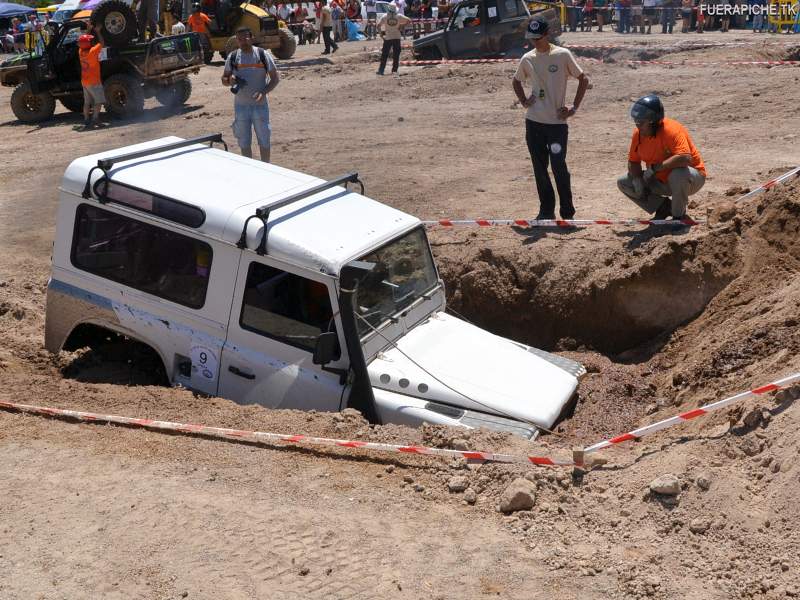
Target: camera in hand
237	85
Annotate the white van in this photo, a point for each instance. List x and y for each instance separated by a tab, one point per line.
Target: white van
269	286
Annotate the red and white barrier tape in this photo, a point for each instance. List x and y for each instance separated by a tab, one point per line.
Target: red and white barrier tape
691	63
279	438
692	414
557	222
678	46
303	440
770	184
584	222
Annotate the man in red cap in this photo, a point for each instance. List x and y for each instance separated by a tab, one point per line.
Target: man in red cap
91	80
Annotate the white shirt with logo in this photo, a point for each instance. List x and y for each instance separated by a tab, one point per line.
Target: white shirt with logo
393	24
546	75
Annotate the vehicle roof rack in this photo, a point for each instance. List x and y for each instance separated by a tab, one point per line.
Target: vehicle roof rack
104	164
262	213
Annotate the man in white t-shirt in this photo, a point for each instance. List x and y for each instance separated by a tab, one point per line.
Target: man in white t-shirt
546	69
401	6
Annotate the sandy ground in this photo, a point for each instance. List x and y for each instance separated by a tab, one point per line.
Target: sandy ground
661	322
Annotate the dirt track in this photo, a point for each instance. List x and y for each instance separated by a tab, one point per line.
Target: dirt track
97	511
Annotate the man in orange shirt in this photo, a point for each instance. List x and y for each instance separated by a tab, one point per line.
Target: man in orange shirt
675	169
198	21
91	80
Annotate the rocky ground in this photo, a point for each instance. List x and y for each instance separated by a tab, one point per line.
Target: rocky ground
663	321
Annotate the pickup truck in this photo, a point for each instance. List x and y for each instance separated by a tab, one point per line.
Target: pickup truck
482	29
131	72
269	286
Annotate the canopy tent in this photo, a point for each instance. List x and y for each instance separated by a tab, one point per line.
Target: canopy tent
9	9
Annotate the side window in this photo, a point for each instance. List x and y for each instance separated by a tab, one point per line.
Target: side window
166	264
286	307
512	8
71	36
467	16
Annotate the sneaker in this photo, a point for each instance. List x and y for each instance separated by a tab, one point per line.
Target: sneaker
378	72
323	53
541	217
83	126
335	48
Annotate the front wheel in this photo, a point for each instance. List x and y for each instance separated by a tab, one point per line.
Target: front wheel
175	94
124	95
288	44
29	107
428	53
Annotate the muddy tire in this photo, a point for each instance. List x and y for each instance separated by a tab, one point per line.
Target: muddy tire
29	107
428	53
124	95
230	47
72	103
288	44
117	23
175	94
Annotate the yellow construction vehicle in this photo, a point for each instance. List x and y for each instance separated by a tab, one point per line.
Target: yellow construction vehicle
268	32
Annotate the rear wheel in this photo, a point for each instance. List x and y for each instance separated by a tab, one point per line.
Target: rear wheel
288	44
73	103
124	95
174	94
29	107
117	23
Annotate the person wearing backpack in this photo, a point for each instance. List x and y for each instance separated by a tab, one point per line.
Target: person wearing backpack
251	74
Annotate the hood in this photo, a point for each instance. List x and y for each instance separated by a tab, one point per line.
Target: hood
427	40
476	370
18	59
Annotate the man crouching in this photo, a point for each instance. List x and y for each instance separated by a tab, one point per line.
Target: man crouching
675	169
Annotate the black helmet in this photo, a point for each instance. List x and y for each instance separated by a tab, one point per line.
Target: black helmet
195	7
648	108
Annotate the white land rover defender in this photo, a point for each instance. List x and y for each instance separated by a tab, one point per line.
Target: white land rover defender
264	285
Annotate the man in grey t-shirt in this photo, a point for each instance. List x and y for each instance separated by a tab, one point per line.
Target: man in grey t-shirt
252	74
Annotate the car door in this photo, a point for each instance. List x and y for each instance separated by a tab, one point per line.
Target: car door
66	63
278	312
465	29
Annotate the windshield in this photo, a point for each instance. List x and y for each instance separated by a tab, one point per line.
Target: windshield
403	272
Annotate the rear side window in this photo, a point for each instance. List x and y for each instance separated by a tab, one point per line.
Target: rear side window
166	264
166	208
285	306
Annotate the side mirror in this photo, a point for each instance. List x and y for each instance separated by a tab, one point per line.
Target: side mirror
327	348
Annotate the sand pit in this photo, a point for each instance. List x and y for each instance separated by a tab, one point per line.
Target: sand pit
664	322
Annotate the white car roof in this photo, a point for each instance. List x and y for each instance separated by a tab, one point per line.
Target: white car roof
322	232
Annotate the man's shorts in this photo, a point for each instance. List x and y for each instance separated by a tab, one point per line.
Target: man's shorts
93	95
249	117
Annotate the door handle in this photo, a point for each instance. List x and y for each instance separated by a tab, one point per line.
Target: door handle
240	373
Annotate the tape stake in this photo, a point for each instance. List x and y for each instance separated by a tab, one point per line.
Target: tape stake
664	424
